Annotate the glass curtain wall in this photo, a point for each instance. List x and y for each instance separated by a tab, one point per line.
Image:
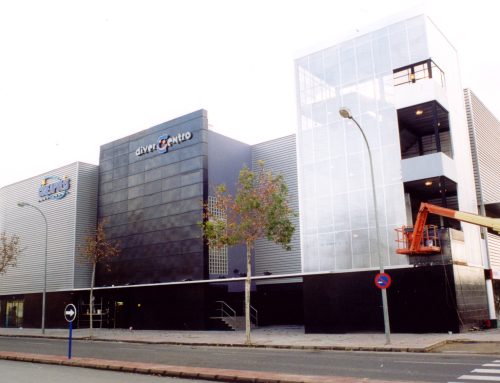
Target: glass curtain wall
336	201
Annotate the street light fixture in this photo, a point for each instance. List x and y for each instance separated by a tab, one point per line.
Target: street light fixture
23	204
346	113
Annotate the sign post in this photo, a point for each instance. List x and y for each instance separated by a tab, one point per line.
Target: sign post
70	315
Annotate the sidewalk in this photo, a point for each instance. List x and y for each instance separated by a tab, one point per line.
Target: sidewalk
273	337
276	337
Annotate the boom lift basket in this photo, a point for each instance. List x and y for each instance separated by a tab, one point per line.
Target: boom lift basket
429	242
424	239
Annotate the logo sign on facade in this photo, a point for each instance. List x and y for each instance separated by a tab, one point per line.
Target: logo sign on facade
53	187
163	143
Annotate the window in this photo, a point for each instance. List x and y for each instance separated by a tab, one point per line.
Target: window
217	257
14	312
217	260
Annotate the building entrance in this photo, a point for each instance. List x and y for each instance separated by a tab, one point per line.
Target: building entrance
14	310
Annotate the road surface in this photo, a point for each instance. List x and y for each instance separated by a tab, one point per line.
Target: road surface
21	372
393	366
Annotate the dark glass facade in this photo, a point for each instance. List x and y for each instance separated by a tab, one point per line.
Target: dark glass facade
151	195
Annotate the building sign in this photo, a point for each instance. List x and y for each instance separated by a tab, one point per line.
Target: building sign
53	188
163	143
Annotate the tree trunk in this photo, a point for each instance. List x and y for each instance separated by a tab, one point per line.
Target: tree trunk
247	294
91	305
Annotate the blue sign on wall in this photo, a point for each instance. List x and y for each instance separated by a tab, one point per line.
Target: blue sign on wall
53	188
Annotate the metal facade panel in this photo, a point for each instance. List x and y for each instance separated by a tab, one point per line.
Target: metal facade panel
279	156
484	131
86	219
494	250
226	158
28	224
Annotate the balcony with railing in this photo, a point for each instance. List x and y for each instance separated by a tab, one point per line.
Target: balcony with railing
419	83
414	73
428	169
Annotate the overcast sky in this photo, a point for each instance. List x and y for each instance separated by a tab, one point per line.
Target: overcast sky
77	74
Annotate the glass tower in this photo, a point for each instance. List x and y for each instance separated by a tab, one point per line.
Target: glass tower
337	213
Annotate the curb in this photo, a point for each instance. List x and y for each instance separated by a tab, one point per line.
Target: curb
423	349
213	374
470	341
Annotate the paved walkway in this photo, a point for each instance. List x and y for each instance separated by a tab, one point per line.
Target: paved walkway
276	337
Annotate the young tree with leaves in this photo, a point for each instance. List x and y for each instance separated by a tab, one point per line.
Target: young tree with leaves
259	209
97	249
10	249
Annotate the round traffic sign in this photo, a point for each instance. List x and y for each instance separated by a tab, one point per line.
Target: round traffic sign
383	280
70	312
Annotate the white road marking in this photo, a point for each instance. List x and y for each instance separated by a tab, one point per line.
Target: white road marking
486	371
444	363
481	377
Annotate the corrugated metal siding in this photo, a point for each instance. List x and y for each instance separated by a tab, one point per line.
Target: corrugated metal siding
484	131
472	137
494	250
28	223
86	219
279	156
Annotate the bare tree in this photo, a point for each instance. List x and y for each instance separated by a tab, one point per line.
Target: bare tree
97	249
259	209
10	249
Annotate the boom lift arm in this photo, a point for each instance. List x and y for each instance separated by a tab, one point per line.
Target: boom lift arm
418	240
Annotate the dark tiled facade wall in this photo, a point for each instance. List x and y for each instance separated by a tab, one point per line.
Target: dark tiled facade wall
153	203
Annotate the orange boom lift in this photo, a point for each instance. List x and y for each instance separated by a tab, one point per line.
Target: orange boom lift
424	239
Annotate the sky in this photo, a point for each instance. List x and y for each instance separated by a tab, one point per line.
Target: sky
75	75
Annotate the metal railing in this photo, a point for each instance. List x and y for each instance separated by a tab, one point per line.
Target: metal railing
225	310
254	315
419	71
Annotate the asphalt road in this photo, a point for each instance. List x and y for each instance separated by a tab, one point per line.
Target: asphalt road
20	372
384	366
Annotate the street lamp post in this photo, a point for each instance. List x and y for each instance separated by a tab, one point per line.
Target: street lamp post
23	204
346	113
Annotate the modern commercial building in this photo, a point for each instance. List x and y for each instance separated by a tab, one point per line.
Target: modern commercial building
152	199
149	189
58	212
401	82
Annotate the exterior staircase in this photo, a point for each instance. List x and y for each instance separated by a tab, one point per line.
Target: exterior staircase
236	323
227	319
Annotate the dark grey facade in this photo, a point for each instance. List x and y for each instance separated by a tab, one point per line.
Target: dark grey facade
152	201
226	157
